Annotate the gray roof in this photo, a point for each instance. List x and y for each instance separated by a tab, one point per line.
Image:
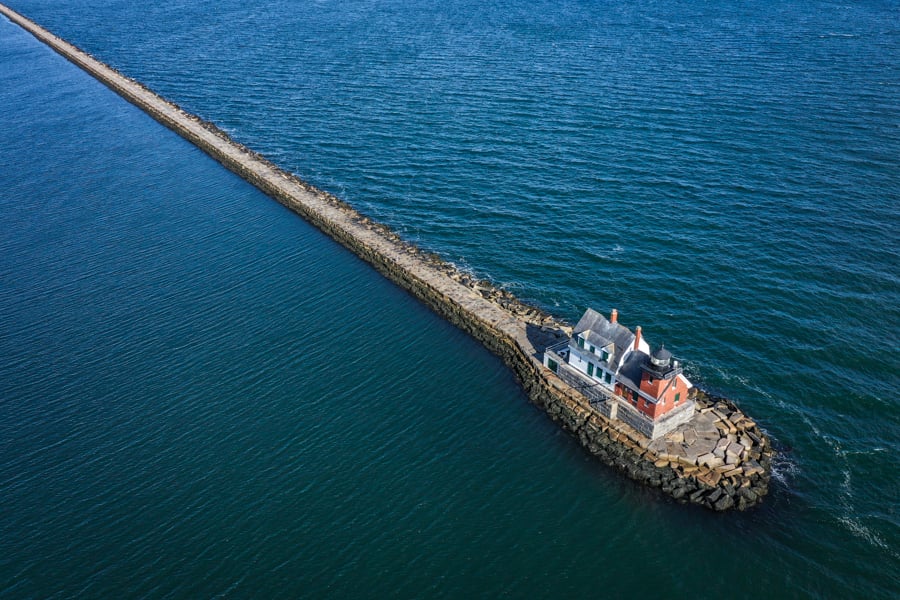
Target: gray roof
599	332
630	373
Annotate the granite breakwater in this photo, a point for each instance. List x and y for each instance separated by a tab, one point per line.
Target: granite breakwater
731	472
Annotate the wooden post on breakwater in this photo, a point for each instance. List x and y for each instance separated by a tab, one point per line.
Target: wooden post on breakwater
516	332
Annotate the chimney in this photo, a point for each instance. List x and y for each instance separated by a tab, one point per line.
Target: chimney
614	316
637	337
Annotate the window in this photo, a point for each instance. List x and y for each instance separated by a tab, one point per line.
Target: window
554	366
607	377
580	342
593	349
677	397
590	369
634	397
604	355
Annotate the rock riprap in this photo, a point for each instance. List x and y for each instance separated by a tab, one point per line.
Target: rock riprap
720	459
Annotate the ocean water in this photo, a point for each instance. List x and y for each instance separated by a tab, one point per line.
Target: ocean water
201	395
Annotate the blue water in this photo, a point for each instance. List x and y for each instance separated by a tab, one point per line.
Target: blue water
202	395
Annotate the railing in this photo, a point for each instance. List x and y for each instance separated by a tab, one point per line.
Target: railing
595	391
555	348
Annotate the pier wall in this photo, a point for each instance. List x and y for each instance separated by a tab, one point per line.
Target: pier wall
514	331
